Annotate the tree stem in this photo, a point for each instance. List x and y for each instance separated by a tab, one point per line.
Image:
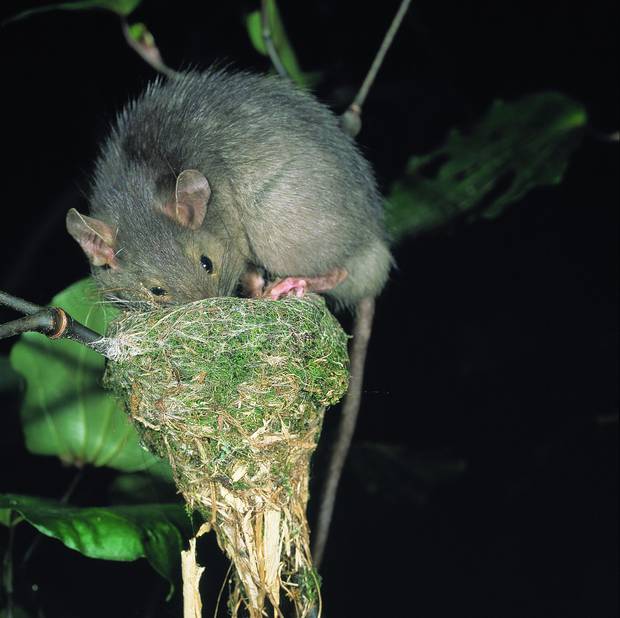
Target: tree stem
51	321
274	56
351	119
378	61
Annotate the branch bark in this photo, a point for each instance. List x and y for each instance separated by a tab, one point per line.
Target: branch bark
53	322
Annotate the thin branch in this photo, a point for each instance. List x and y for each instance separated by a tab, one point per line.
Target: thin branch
268	40
148	51
348	420
7	566
51	321
42	322
23	306
378	61
351	120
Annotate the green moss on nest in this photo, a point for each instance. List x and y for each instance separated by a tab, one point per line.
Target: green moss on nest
232	391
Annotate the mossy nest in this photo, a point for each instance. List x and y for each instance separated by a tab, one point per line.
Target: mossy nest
232	392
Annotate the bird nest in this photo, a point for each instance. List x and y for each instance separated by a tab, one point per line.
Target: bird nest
232	392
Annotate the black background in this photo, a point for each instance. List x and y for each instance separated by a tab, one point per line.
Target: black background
494	348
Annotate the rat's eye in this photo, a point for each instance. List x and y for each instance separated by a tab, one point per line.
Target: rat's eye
206	263
158	291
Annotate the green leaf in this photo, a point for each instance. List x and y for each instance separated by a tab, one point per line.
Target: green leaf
514	148
65	411
5	517
141	34
123	533
9	378
120	7
254	25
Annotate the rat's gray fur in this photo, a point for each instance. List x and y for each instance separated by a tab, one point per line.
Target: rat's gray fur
291	194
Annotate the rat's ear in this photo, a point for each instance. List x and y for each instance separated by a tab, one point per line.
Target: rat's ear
97	239
191	196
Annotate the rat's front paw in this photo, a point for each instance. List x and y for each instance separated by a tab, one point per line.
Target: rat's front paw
291	286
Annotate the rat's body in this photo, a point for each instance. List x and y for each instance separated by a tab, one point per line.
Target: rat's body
290	193
214	180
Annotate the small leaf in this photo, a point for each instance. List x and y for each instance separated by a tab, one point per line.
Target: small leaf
5	517
123	533
141	34
253	22
65	411
254	25
120	7
513	149
140	39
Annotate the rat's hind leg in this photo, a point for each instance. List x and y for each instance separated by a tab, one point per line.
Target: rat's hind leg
298	286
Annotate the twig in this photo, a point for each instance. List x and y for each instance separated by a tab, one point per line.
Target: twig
45	321
378	61
51	321
147	50
351	120
221	592
7	567
268	40
23	306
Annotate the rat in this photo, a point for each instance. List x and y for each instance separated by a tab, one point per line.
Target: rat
223	183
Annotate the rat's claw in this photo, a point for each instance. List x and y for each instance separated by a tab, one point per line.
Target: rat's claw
291	286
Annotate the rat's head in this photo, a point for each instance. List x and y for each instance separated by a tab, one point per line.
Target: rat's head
176	252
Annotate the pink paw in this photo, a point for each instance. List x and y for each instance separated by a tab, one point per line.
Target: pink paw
291	286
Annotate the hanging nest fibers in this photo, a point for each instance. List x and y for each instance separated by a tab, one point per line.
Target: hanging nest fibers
232	392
